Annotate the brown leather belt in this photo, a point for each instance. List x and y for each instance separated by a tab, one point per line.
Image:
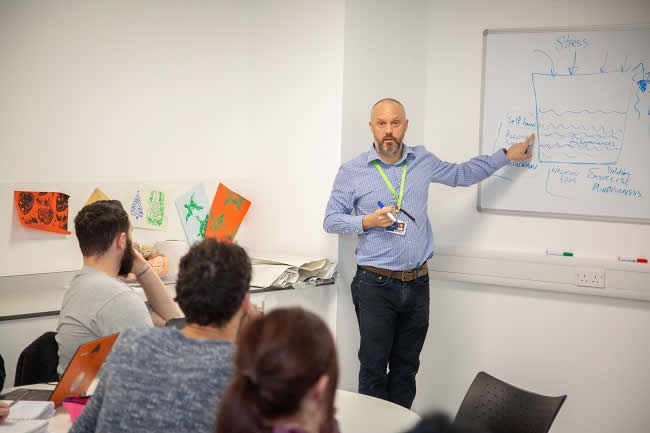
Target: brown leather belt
399	275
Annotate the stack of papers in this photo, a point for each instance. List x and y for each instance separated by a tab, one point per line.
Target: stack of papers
28	417
24	426
284	271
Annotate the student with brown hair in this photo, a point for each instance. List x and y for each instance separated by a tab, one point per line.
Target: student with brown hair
285	377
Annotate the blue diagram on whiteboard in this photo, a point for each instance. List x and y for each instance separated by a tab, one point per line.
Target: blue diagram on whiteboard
586	96
590	132
581	118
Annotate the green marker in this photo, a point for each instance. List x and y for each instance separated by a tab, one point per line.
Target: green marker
559	253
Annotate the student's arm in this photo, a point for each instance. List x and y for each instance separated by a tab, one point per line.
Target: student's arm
157	294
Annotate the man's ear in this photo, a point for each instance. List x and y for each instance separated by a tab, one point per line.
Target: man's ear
120	241
246	303
317	390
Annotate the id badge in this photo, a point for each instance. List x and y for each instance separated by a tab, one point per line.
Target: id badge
398	228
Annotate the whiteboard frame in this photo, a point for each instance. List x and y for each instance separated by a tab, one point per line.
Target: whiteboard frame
581	217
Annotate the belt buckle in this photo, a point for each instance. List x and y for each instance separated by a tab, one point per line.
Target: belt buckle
402	277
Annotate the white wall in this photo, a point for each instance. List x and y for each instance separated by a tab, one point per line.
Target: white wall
171	93
295	125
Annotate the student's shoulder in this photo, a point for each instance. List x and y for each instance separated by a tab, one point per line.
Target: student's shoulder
133	339
99	281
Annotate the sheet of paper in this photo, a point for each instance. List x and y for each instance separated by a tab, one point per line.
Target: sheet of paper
307	267
97	195
24	426
26	409
147	207
265	275
309	263
193	209
47	211
226	214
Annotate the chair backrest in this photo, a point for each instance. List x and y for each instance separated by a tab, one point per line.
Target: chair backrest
37	363
3	373
499	407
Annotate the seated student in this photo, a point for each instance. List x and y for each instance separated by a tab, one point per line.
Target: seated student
285	377
97	303
166	380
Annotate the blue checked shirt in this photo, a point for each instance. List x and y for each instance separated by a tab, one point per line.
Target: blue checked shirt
359	186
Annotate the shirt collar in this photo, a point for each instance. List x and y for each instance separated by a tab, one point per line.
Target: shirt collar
373	155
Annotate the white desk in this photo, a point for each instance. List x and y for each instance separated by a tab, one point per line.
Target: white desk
356	414
359	413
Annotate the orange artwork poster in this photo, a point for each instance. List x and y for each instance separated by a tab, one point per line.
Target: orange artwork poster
46	211
226	214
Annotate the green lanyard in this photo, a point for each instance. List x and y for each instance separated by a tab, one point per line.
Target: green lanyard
390	186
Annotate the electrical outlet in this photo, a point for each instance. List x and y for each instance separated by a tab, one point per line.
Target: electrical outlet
590	277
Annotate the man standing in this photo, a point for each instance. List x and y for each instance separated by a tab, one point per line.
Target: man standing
390	290
98	304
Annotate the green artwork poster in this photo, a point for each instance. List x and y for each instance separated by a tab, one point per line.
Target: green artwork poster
156	209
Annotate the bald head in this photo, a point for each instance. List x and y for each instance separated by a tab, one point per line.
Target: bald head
388	125
387	101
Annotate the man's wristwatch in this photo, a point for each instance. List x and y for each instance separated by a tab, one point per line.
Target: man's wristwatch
505	151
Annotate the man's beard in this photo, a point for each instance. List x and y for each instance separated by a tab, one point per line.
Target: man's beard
383	149
126	264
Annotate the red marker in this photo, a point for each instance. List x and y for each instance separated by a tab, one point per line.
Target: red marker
632	259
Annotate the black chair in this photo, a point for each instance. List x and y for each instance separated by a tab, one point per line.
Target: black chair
3	373
499	407
38	361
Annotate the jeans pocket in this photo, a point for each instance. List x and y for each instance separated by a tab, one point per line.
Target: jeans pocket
371	279
422	285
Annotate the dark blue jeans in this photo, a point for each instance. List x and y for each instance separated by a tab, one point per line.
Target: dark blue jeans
393	319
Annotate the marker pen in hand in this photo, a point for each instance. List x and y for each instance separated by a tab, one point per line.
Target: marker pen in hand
390	214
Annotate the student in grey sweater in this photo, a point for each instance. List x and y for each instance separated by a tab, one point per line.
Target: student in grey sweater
166	380
97	303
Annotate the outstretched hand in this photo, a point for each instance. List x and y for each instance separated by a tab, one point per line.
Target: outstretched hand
517	151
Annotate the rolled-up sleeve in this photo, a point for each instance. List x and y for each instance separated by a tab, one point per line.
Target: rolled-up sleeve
338	214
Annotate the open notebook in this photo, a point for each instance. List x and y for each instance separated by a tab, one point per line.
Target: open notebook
28	417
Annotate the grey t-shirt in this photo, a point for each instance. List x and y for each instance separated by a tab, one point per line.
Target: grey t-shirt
158	380
94	306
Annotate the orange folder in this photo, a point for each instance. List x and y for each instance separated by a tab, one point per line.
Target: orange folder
226	214
46	211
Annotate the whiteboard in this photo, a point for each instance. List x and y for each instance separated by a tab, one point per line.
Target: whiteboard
585	93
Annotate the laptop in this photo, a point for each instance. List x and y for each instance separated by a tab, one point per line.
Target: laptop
76	379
